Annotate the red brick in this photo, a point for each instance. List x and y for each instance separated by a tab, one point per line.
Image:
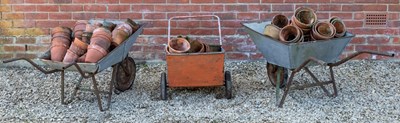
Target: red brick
130	1
271	1
6	55
365	1
12	16
154	1
393	24
57	16
394	8
107	15
154	15
69	8
36	16
224	1
352	8
83	16
323	15
343	15
119	8
396	40
83	1
24	8
136	48
246	48
60	1
388	1
314	7
24	24
363	56
47	8
37	48
107	1
143	40
25	40
142	55
234	41
349	48
268	15
259	7
35	1
248	1
27	55
97	8
352	24
237	56
169	15
228	48
240	8
188	8
375	8
14	48
202	1
134	16
204	32
67	23
377	40
159	40
318	1
248	16
47	24
256	56
6	40
386	48
359	16
282	8
366	47
12	1
393	16
187	24
358	40
226	16
295	1
177	1
211	8
154	48
362	31
158	31
388	31
213	24
142	8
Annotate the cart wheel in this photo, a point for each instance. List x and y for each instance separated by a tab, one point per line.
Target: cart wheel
163	86
228	85
272	74
125	73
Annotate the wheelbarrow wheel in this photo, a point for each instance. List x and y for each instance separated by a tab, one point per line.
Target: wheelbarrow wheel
272	71
163	85
228	85
125	73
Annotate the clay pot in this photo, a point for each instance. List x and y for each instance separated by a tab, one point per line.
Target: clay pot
280	21
339	26
121	33
178	45
79	27
99	44
304	18
323	31
133	24
60	42
272	31
77	49
82	58
291	34
109	25
196	47
86	37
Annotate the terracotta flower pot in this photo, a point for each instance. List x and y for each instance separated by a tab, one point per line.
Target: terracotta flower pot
121	33
82	58
280	21
323	31
178	45
304	18
272	31
291	34
196	47
95	53
109	25
60	42
77	49
133	24
339	26
79	28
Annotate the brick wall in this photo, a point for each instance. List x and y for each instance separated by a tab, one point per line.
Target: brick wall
25	24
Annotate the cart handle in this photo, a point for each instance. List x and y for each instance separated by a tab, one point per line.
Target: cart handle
33	64
359	53
198	16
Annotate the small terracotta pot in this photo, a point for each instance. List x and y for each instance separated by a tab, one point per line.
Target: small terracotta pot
70	57
77	49
121	33
95	53
280	21
339	26
60	42
79	27
109	25
133	24
291	34
323	31
272	31
101	37
86	36
82	58
304	18
207	48
178	45
196	47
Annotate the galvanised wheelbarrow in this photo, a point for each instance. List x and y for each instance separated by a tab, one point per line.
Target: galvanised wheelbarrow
123	75
283	57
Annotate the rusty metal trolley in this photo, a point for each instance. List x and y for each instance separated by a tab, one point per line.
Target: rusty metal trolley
196	69
298	56
123	75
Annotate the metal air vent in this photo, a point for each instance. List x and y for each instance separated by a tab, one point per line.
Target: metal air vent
375	19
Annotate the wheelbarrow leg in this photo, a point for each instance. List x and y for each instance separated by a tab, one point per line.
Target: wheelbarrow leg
317	81
287	88
333	82
62	88
97	93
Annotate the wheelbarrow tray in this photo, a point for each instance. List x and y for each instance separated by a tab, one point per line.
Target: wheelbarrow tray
294	54
196	69
115	56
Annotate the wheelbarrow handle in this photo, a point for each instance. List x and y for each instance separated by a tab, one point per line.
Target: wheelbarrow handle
33	64
198	16
359	53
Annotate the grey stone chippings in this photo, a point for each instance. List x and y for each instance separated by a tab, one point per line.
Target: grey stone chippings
368	91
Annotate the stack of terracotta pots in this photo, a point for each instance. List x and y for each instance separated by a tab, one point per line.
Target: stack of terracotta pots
90	42
186	45
304	26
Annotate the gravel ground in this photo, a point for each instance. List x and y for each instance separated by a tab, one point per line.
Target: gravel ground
368	92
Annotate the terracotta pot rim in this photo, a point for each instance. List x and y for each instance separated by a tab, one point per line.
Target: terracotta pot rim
179	51
59	45
271	27
297	37
276	17
98	48
317	36
68	56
